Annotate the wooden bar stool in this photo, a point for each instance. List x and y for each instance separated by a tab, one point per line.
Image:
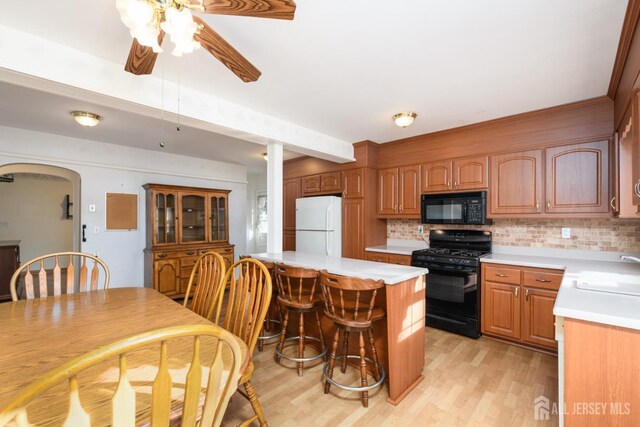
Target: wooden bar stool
349	303
297	293
274	314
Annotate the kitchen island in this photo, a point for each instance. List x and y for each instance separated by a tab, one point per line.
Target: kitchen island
400	338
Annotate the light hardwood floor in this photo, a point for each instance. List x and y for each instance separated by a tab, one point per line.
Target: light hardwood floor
467	383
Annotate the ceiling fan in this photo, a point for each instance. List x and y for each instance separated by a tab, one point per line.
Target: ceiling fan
149	20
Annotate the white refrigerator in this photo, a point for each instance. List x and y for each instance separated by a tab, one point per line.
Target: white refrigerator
319	225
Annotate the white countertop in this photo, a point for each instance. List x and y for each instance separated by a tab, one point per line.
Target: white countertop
391	274
593	306
391	249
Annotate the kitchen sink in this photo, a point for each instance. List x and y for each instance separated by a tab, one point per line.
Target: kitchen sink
615	283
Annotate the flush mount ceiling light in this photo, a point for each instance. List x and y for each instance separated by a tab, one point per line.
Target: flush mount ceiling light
404	119
86	119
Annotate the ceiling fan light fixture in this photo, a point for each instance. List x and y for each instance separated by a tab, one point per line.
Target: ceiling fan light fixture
86	119
180	26
404	119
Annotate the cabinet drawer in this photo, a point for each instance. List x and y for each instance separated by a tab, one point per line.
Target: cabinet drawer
222	251
376	256
399	259
502	274
542	279
186	266
174	254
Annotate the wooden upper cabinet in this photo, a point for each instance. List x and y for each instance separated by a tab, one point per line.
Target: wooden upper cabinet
353	184
193	217
624	202
471	173
330	182
387	191
516	183
577	178
436	176
635	148
311	184
409	190
326	183
292	190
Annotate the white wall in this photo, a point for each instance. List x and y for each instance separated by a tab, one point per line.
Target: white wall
32	210
112	168
255	183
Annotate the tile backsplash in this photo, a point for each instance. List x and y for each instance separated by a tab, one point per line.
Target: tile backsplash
620	235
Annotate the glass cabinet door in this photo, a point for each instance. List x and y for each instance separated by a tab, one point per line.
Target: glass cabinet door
218	218
193	222
165	220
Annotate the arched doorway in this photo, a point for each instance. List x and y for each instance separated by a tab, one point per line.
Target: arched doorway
55	172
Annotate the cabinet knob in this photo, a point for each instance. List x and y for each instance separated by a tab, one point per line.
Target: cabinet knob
502	275
517	289
190	253
449	184
162	255
543	280
612	203
538	205
548	204
526	294
455	184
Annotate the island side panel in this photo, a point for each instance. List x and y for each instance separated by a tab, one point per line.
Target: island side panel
405	336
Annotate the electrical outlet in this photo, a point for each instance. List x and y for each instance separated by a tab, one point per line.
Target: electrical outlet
566	233
96	229
420	229
92	208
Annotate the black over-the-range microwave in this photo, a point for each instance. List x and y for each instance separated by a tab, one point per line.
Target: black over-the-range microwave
455	208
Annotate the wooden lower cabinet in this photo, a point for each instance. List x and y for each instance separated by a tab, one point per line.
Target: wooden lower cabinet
501	314
517	304
168	271
388	258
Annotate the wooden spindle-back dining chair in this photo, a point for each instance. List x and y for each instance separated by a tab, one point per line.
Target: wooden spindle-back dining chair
206	283
220	384
350	303
75	271
241	310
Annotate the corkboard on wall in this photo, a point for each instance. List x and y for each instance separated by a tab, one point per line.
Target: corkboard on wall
122	211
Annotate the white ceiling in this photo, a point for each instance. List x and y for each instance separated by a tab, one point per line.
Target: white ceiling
343	68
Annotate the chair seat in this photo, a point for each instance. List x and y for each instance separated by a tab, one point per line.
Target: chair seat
303	304
376	314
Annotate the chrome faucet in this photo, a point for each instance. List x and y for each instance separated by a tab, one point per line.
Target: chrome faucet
630	258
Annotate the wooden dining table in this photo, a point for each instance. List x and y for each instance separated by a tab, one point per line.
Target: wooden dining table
39	335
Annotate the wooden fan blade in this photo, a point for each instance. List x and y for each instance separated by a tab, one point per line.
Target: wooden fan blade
142	58
274	9
225	53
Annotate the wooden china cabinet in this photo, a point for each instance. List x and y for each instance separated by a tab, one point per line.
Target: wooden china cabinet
182	224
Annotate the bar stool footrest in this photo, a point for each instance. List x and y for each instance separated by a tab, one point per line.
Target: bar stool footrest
274	335
352	388
303	359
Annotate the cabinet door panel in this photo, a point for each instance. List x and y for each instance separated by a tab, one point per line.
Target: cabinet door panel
165	276
516	182
164	218
409	190
311	184
436	176
353	184
471	173
539	320
400	259
218	218
578	178
330	182
292	190
501	310
352	223
635	147
387	189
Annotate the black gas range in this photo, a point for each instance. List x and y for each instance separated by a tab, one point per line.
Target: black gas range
453	282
